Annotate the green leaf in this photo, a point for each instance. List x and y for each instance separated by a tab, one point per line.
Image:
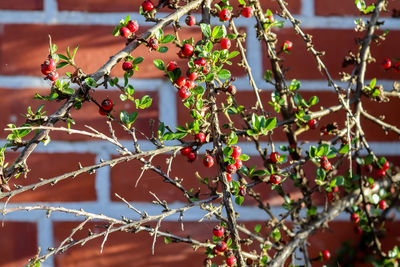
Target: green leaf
260	172
224	74
159	64
63	57
116	30
138	60
257	228
75	50
215	32
127	118
68	91
244	157
199	90
321	174
163	49
239	200
268	76
167	240
91	82
62	64
210	77
233	54
206	30
276	235
167	39
232	138
344	149
145	102
313	101
270	124
228	151
372	83
294	85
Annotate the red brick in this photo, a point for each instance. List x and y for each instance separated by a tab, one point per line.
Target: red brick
124	249
87	115
18	243
125	175
343	8
133	6
81	188
96	45
121	248
336	44
22	5
326	99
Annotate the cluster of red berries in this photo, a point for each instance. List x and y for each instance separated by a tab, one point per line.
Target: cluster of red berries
325	164
221	246
48	68
331	195
147	6
232	168
387	64
189	153
106	107
131	27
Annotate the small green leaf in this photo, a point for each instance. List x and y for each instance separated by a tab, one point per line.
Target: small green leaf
344	149
233	54
62	64
127	118
138	60
206	30
167	39
244	157
224	74
313	101
159	64
90	81
270	124
257	228
63	57
163	49
239	200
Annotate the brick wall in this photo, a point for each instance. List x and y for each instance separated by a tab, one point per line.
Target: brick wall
25	25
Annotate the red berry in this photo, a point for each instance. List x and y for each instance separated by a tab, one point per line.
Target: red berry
275	179
192	156
354	217
382	204
132	25
231	89
312	124
225	14
206	68
271	19
208	161
216	252
218	231
181	81
184	92
387	63
102	112
335	189
236	151
380	172
242	191
190	84
187	50
331	196
127	66
153	43
192	76
221	246
186	150
385	165
200	137
200	61
369	168
225	43
231	168
228	177
357	230
274	157
190	20
247	12
326	255
230	261
397	67
48	66
107	104
171	65
287	46
147	6
53	76
324	158
238	164
124	32
326	165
